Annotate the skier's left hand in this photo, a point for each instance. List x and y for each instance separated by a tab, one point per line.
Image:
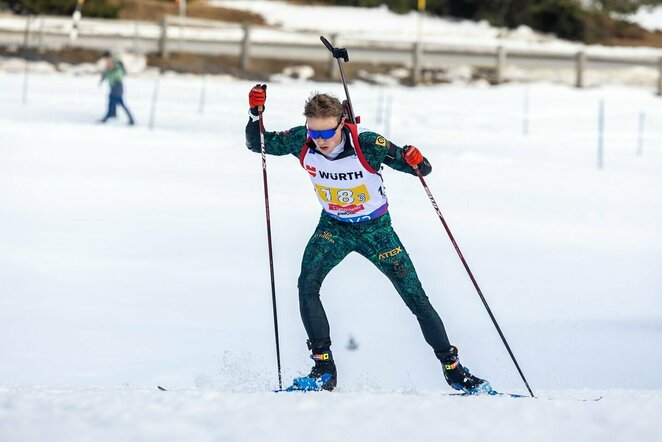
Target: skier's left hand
412	156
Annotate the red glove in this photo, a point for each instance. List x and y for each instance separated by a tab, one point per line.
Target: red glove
257	96
412	156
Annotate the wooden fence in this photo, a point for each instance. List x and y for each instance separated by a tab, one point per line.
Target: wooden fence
254	42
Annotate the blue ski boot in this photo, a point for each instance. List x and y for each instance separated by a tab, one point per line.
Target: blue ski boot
321	377
458	377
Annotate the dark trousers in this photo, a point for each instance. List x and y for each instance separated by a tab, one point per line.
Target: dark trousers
377	241
114	100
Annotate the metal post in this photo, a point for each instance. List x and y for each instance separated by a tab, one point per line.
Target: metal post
182	23
163	41
640	140
26	41
182	9
75	21
41	35
203	95
155	97
418	46
26	33
581	66
525	119
245	56
601	130
26	76
331	67
500	64
135	37
417	52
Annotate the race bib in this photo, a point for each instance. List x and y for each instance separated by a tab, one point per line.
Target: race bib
343	197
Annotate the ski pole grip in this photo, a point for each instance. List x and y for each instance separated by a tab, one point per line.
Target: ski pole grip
337	52
326	43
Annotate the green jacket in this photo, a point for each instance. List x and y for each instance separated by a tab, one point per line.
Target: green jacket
115	74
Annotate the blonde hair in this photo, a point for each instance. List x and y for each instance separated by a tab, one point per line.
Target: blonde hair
322	106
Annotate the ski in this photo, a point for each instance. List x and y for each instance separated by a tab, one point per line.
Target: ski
524	396
296	390
492	393
513	395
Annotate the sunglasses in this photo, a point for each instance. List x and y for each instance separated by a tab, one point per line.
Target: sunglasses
324	134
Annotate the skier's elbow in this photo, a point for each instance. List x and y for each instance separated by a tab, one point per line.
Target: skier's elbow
252	147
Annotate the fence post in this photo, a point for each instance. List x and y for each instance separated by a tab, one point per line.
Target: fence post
417	52
155	98
525	113
332	71
245	56
26	34
163	41
26	55
581	66
135	37
203	95
640	136
500	64
41	35
601	131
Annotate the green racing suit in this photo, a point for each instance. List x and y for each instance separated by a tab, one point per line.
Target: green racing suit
334	239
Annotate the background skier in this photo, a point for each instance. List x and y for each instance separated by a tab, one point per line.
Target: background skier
114	72
344	167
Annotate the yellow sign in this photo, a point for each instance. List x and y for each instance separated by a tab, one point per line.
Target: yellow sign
343	197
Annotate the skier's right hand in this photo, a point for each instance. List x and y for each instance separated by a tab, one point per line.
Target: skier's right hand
257	96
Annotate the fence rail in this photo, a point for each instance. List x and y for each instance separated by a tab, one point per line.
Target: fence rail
253	42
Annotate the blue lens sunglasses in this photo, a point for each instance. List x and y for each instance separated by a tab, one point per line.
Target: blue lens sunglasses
325	134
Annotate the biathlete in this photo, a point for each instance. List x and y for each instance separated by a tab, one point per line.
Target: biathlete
344	168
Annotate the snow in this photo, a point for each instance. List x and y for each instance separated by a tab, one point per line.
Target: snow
104	415
132	258
649	18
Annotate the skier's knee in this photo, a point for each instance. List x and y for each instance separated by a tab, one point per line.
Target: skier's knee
419	305
308	287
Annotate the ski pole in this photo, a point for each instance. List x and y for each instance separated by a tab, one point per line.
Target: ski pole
473	280
339	53
271	254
